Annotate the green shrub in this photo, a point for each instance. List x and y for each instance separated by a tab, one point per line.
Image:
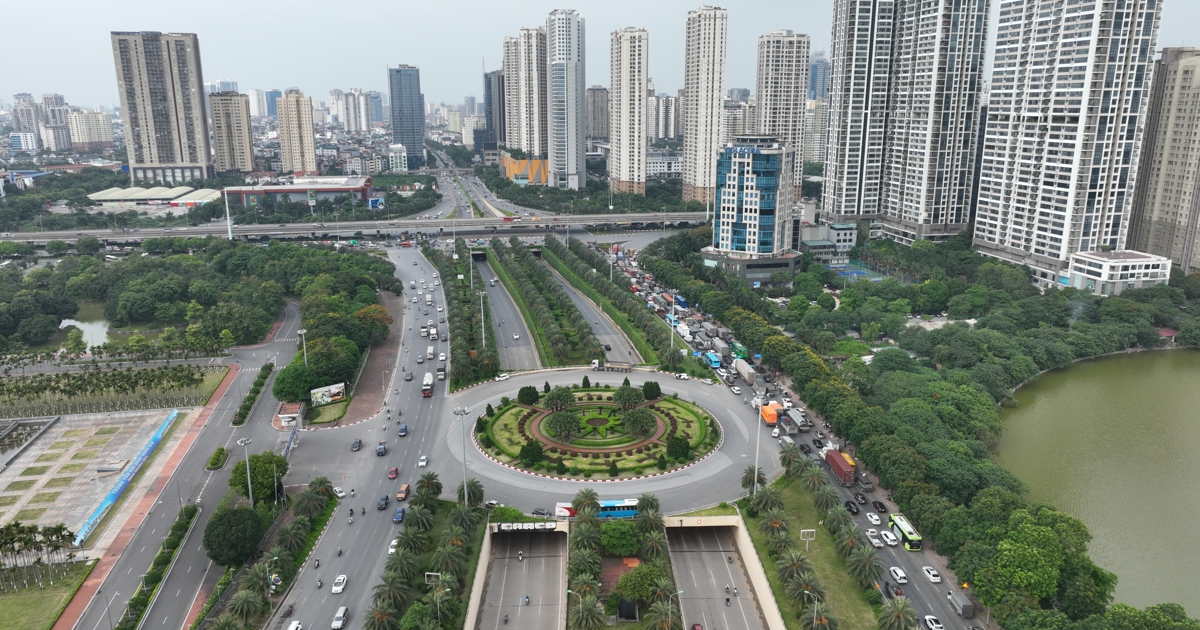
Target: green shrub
561	468
480	425
161	560
189	512
152	577
611	604
612	469
587	473
662	462
873	597
170	543
485	440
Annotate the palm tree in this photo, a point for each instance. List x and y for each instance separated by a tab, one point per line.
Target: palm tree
474	492
419	518
425	498
585	585
403	563
321	486
454	536
648	521
647	502
773	520
792	563
224	622
447	559
813	479
789	455
898	614
752	477
819	618
654	545
308	503
797	468
587	615
663	589
429	481
585	563
864	565
767	499
583	498
379	617
258	579
779	542
847	539
585	536
294	535
802	587
413	540
836	518
393	591
283	559
464	517
245	605
661	616
825	498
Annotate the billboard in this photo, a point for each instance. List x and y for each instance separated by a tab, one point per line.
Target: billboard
325	395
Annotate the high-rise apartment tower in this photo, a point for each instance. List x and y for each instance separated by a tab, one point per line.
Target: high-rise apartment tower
408	112
525	91
566	119
780	91
297	143
704	89
232	134
628	67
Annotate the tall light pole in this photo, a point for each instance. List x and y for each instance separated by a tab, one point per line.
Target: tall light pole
439	606
482	323
671	611
228	221
245	444
107	612
580	602
461	412
304	342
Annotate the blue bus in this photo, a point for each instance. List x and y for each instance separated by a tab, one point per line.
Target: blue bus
672	321
618	508
714	361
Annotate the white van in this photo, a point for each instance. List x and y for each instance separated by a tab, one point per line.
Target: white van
295	625
339	619
786	441
429	353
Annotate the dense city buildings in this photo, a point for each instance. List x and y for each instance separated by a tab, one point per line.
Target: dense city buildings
597	113
297	144
1165	219
704	88
233	135
161	86
408	112
565	87
1064	130
525	91
818	77
754	197
780	91
628	67
662	118
816	129
90	131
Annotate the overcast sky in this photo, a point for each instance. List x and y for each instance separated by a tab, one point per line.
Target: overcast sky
321	45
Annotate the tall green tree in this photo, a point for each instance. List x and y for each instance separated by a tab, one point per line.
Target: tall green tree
266	471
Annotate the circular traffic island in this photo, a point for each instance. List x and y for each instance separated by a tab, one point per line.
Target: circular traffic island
604	432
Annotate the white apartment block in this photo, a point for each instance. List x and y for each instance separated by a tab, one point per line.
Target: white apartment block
566	119
23	141
905	83
55	137
663	118
781	91
258	103
525	91
1110	273
737	118
704	90
469	125
90	131
297	143
1069	92
628	112
453	120
233	149
397	158
816	129
1166	205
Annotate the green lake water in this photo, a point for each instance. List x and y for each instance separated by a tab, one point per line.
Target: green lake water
1116	443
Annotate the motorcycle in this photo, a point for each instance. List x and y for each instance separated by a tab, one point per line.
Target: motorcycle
288	612
726	589
506	619
320	583
526	600
317	563
351	520
726	601
339	552
520	556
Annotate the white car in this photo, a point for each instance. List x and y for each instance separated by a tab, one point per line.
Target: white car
735	389
889	538
339	584
420	292
435	274
423	462
439	309
516	337
501	377
392	547
873	518
873	538
339	493
442	356
437	283
932	574
932	623
899	575
722	373
414	300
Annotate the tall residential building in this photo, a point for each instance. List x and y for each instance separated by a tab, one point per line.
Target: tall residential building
816	121
26	114
627	114
1166	205
1065	124
90	131
493	104
904	115
598	122
353	109
468	106
566	119
55	137
220	85
738	94
469	125
818	77
753	199
375	108
232	146
737	118
780	91
258	103
161	85
663	118
297	142
704	88
525	91
408	112
454	120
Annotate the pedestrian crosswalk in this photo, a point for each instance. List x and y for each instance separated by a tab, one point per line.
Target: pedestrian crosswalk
286	339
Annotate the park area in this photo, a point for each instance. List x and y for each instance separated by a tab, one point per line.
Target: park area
603	431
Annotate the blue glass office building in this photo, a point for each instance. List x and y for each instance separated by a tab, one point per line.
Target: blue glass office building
408	112
753	210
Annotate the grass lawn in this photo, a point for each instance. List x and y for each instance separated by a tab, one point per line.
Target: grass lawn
327	413
845	597
34	471
23	484
9	499
47	457
724	509
30	514
70	468
61	482
208	386
38	609
113	430
61	444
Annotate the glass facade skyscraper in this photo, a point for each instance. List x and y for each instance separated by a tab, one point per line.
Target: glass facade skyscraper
408	112
754	211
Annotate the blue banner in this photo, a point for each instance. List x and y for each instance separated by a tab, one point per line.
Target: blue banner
127	476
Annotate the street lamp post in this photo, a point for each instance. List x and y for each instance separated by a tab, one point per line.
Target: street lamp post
815	599
671	612
107	611
245	444
304	342
580	602
439	607
461	412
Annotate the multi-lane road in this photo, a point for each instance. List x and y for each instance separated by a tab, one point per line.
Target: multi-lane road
516	352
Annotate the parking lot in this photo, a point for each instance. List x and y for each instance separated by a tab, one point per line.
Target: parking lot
701	559
542	576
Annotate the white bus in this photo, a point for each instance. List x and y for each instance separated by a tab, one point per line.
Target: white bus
428	300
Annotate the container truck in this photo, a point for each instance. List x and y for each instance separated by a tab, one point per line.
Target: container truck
864	483
745	370
612	366
769	415
429	353
842	466
427	385
720	347
680	301
710	329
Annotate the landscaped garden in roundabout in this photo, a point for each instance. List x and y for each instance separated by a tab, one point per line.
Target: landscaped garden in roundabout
585	431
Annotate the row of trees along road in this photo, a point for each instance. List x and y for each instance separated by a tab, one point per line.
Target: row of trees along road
925	426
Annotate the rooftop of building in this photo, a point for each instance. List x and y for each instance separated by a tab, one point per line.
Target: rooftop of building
137	193
1122	255
843	226
819	243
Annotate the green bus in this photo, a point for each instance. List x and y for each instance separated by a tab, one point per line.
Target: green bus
905	532
738	350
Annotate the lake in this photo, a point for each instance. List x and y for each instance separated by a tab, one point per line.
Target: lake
1116	442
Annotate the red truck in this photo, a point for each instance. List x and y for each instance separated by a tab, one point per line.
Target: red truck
508	219
842	466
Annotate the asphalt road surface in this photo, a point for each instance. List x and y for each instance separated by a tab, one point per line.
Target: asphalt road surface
605	330
515	354
699	556
542	575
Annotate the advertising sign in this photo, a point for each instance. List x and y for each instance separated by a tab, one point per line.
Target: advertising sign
326	395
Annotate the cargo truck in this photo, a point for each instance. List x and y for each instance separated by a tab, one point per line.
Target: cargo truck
429	353
427	386
441	370
428	300
842	466
961	603
433	333
612	366
768	414
680	301
709	329
719	346
864	483
745	370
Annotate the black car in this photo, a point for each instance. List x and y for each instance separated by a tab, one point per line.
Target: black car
408	376
540	512
862	500
849	505
355	445
818	443
608	347
403	430
383	502
879	507
804	448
